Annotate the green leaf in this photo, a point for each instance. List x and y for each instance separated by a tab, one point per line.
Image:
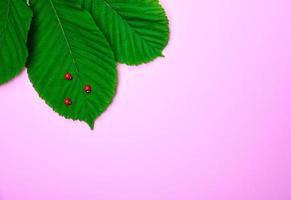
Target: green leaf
137	30
65	39
15	17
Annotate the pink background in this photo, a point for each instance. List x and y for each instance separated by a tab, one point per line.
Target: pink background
211	121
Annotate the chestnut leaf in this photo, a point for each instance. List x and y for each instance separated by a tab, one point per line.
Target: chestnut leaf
64	39
15	17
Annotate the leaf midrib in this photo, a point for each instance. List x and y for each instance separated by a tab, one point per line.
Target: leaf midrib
70	50
64	34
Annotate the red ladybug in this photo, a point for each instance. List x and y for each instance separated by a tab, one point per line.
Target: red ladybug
68	76
67	102
87	88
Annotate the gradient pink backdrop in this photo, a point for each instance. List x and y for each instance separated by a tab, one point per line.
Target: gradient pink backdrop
211	121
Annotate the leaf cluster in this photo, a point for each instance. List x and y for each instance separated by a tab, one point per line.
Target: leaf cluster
71	48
